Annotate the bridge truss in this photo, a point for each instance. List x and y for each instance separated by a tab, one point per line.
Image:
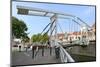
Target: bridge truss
54	16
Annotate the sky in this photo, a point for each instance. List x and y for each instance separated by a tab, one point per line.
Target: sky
36	24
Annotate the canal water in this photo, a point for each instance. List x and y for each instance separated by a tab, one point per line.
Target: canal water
83	54
82	58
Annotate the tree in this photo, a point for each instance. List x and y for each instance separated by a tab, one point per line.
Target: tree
25	38
36	38
45	37
40	38
19	28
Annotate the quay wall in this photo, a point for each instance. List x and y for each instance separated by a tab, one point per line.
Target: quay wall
89	50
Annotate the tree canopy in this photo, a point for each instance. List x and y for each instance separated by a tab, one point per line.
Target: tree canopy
40	38
19	29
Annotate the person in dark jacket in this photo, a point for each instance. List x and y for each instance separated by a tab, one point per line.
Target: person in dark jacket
50	47
57	51
33	49
19	48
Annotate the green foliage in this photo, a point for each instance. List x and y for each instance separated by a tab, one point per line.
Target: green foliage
45	37
40	38
25	38
18	28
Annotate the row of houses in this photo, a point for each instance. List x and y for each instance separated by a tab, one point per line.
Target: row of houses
71	36
77	35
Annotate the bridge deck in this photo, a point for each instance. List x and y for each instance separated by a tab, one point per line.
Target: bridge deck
25	58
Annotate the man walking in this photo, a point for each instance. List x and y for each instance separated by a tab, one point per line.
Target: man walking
33	48
57	51
19	48
50	47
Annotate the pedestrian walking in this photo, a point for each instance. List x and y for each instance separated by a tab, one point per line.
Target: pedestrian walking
42	50
50	47
57	51
19	48
26	48
37	50
33	48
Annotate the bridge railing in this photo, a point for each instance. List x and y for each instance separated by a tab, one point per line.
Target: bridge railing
64	55
81	42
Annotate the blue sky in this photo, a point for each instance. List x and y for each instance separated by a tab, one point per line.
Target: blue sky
36	24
